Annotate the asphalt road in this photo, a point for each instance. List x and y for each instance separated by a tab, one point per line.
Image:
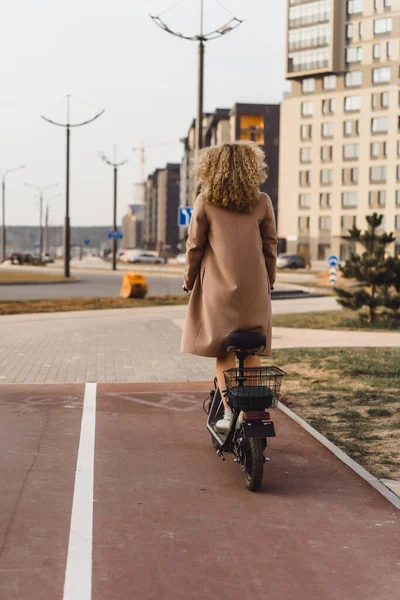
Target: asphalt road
99	284
89	284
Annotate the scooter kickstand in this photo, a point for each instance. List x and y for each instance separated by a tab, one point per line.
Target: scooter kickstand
222	457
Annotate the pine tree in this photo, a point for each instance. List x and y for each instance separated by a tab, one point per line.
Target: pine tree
377	274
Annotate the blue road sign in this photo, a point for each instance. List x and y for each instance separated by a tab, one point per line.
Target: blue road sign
185	214
115	235
86	242
333	261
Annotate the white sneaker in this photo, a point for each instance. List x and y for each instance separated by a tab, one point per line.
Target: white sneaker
224	423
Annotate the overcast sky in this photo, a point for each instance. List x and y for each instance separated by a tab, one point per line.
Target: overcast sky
110	55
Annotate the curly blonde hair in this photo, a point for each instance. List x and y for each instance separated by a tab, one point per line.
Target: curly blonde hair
231	174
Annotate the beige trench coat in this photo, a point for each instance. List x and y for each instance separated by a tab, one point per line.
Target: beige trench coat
230	266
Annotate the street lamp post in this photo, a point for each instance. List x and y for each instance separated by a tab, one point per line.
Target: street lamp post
67	232
46	224
202	38
115	166
3	195
40	191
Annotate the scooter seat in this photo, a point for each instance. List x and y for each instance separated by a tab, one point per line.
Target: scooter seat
245	341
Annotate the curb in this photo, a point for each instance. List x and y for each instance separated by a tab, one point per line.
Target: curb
342	456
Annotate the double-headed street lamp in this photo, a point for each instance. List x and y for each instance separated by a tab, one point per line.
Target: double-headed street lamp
115	166
3	175
67	231
41	189
200	37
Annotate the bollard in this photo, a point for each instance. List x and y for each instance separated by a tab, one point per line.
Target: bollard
134	285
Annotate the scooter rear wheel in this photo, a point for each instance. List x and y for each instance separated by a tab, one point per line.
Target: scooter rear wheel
253	468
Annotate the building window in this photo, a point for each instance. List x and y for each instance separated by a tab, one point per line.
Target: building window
379	125
398	173
324	251
346	250
304	200
328	106
382	26
349	31
377	174
389	47
329	82
325	223
303	224
385	99
350	176
384	149
397	197
325	200
350	128
351	151
305	155
360	30
347	222
381	75
376	51
349	199
326	153
398	147
326	176
327	129
387	3
355	7
353	79
352	103
305	178
305	132
397	222
307	109
377	199
308	85
354	54
374	150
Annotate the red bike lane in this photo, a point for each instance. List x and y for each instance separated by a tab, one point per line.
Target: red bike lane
172	521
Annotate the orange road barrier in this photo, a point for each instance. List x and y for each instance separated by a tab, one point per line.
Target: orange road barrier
134	285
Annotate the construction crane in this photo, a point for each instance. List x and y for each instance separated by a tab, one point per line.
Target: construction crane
142	149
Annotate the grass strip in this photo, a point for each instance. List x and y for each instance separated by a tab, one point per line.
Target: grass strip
352	397
333	319
15	307
9	277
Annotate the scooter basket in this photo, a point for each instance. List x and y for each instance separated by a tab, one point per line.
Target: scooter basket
254	388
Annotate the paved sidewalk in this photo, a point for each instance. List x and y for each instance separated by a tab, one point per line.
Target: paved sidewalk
135	345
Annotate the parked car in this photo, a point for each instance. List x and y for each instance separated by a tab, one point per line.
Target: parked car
181	259
290	261
147	258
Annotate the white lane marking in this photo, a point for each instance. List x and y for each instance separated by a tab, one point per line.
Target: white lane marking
78	573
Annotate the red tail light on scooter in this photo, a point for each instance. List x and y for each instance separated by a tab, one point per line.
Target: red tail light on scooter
257	416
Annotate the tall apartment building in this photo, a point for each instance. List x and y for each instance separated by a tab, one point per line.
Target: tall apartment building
161	231
339	136
256	122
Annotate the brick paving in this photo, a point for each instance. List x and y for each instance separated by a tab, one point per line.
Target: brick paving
105	346
134	345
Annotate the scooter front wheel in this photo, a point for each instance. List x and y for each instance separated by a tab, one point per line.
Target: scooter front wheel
253	466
